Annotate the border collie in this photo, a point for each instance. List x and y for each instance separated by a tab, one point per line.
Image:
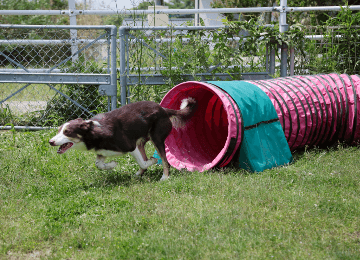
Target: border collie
125	130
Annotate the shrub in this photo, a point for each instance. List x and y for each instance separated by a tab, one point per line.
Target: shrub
60	109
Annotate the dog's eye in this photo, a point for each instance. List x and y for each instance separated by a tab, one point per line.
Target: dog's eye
66	131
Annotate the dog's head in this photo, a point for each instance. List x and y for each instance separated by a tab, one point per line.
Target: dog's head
70	135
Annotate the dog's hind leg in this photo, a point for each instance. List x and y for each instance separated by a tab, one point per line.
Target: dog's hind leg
140	157
100	163
160	148
158	135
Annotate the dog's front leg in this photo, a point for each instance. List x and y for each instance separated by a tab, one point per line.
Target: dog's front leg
100	163
140	157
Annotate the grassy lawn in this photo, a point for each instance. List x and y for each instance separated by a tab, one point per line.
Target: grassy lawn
63	207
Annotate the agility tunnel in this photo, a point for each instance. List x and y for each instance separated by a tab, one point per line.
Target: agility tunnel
262	121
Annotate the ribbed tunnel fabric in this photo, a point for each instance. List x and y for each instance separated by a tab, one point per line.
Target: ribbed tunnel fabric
315	110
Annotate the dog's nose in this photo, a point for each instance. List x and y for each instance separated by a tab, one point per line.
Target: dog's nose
52	143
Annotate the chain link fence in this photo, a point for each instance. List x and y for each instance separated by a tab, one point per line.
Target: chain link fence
51	74
327	49
161	57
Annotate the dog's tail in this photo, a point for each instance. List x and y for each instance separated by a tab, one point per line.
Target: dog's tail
179	117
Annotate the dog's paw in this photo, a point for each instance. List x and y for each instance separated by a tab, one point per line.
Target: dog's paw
139	173
153	160
164	178
106	166
111	165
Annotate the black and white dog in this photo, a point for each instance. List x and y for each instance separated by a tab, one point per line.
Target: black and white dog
125	130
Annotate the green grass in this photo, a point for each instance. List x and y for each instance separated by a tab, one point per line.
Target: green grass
62	207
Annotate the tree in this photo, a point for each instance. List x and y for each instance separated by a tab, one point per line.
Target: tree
181	4
144	5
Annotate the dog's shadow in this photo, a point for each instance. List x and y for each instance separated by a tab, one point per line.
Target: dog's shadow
117	178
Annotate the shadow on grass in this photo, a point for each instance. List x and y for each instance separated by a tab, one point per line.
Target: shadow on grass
299	153
117	178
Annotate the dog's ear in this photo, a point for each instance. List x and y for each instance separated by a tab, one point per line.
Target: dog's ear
87	125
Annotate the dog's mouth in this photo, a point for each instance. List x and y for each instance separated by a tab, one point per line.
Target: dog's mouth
64	147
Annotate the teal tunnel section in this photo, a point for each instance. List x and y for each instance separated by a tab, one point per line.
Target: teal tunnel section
263	145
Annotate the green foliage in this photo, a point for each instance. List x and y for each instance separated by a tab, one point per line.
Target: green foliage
192	54
60	109
5	114
181	4
213	51
172	4
32	55
144	5
33	5
338	51
240	47
114	20
240	4
343	33
306	18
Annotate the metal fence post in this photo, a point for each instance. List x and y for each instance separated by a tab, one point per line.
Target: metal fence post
123	85
292	61
73	32
283	26
196	20
283	61
272	58
113	34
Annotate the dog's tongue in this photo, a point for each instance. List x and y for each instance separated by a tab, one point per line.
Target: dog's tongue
64	147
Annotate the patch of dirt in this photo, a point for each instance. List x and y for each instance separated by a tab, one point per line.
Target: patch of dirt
31	255
21	107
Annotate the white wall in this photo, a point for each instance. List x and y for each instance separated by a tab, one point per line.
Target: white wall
209	19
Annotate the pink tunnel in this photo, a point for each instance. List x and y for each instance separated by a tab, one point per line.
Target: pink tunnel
313	110
208	138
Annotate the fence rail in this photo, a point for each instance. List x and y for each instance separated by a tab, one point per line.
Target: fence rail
46	84
282	8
